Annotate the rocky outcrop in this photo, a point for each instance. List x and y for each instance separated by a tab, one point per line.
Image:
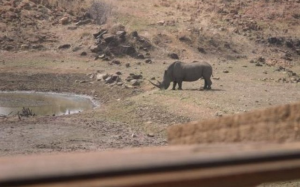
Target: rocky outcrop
132	81
276	124
118	43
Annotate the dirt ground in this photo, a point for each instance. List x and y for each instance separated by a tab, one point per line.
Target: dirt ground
247	74
128	117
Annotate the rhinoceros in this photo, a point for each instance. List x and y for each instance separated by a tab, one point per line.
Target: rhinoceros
180	71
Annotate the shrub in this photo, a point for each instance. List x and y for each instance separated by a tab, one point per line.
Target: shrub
100	11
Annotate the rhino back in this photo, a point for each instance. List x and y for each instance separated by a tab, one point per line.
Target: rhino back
192	71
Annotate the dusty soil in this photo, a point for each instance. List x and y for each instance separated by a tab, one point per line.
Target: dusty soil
245	63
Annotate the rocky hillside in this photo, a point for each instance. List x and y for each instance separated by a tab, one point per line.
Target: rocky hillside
227	30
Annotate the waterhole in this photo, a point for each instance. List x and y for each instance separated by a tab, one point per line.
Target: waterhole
43	104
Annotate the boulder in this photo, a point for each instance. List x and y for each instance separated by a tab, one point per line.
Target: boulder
140	56
64	20
83	22
24	46
64	46
129	50
94	48
108	38
100	33
109	80
135	82
83	53
201	50
116	62
121	34
101	76
148	61
173	56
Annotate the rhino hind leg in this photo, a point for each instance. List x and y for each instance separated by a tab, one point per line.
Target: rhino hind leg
174	85
207	84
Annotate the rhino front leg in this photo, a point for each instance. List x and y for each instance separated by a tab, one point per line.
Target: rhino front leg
174	85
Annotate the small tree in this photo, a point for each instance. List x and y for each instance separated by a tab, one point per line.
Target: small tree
100	11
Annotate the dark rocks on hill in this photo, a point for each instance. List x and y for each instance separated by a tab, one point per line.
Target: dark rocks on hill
118	43
291	43
173	56
64	46
275	40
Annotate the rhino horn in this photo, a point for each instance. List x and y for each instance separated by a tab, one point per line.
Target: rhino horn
157	85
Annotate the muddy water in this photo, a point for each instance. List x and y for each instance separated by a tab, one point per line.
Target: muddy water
43	103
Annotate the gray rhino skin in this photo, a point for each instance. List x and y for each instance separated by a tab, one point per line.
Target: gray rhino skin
178	72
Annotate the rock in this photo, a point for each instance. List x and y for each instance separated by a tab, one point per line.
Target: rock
101	76
225	71
162	22
8	47
100	33
108	38
83	53
275	40
64	46
173	56
129	50
38	47
101	56
201	50
140	56
83	22
64	20
77	48
135	82
109	80
24	46
258	64
218	114
261	59
121	34
134	76
120	83
118	73
289	44
116	62
185	39
134	34
128	86
148	61
127	65
150	135
227	45
72	28
94	48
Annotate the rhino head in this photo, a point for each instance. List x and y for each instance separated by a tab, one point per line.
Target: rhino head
165	84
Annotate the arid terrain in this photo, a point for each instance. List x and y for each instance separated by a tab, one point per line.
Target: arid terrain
109	50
